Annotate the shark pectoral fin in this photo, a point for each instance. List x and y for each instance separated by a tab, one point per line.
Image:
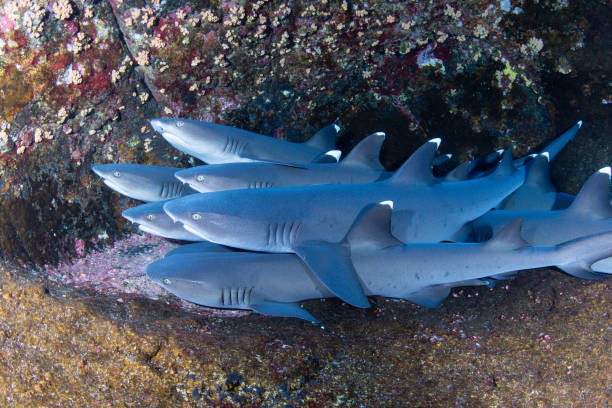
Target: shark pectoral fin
431	296
332	265
603	266
283	310
331	156
581	271
366	153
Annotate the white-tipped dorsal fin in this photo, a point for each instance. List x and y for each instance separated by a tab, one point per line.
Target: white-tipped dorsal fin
417	170
505	166
366	153
372	228
331	156
509	237
324	139
593	199
538	174
559	143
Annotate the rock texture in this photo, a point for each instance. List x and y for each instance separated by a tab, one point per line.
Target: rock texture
542	340
81	326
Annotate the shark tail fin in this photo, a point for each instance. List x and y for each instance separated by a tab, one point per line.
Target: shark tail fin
418	169
366	153
559	143
581	253
324	139
593	199
372	228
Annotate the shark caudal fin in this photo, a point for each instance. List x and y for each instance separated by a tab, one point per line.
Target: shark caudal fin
366	153
559	143
418	168
593	199
324	139
581	253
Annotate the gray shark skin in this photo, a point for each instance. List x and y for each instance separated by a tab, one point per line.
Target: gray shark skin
312	220
199	248
589	213
153	220
142	182
273	284
214	143
361	165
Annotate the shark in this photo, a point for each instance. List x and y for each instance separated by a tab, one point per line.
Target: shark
589	213
311	221
214	143
151	218
361	165
142	182
199	248
274	284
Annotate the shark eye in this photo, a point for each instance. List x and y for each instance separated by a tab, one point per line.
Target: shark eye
200	178
150	217
180	123
196	216
167	281
117	173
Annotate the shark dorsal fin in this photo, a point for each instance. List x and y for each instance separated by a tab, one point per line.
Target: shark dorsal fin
324	139
366	153
538	174
417	170
593	199
461	172
331	156
372	228
505	166
509	237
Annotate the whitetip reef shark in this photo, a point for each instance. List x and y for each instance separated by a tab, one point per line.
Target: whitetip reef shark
361	165
273	284
311	221
213	143
589	213
152	218
142	182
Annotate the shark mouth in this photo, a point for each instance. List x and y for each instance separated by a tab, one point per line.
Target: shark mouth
116	187
150	230
196	232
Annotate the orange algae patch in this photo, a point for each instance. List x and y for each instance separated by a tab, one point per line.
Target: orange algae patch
15	92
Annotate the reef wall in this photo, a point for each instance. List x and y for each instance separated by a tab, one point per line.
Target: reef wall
79	79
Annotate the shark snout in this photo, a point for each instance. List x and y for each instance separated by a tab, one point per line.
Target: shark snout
129	215
157	125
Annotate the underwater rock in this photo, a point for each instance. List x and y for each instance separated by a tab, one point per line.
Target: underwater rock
541	339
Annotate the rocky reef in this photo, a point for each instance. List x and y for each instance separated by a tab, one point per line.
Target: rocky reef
78	81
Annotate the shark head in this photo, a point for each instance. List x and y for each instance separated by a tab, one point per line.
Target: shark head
186	277
225	217
152	219
141	182
206	179
193	137
131	180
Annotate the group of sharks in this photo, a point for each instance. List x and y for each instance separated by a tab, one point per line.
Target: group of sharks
275	223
